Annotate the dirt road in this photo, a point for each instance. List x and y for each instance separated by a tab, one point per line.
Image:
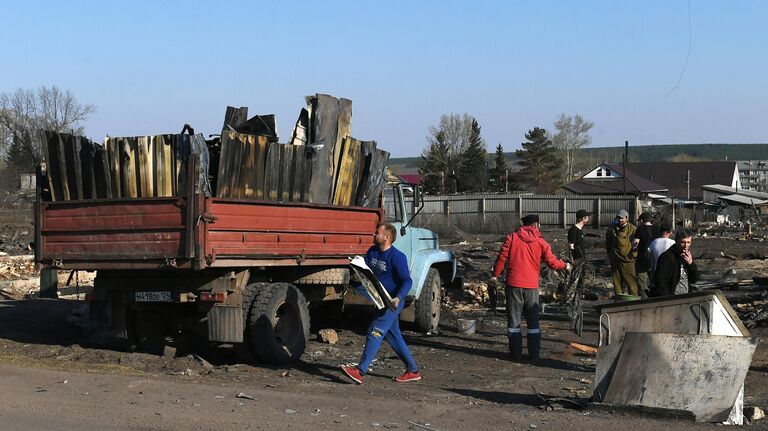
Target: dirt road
469	383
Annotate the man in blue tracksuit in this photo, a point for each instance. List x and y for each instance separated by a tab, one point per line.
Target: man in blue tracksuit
391	267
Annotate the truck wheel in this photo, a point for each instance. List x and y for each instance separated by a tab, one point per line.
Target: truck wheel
428	304
277	323
150	332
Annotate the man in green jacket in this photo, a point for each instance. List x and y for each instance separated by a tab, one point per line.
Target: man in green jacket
621	245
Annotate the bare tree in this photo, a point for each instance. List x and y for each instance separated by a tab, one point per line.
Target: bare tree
441	159
24	114
572	135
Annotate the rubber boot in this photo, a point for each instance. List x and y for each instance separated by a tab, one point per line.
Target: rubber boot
534	346
516	346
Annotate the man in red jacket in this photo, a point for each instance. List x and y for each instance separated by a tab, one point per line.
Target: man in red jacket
522	253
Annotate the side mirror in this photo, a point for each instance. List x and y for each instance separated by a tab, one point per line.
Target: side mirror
402	231
416	195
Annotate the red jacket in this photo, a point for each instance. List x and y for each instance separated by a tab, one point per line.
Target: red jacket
525	249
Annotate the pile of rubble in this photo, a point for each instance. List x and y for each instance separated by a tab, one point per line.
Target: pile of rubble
754	314
20	280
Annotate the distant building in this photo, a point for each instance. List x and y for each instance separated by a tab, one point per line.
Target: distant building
753	174
681	180
685	179
608	179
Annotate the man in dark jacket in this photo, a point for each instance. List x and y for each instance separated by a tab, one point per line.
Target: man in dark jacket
522	253
646	232
675	270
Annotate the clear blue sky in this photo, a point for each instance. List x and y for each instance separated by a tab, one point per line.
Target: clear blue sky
150	67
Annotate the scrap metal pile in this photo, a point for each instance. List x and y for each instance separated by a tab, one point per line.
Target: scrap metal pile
322	163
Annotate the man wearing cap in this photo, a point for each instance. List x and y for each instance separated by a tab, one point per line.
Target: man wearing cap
621	245
646	232
522	253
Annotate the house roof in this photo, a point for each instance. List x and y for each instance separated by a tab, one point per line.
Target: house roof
719	188
741	199
635	184
412	179
673	175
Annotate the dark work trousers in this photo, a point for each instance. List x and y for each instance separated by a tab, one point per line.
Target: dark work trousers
519	301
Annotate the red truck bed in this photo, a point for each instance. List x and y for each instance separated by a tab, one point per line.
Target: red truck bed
213	232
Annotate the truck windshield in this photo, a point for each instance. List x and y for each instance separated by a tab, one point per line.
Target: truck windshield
392	205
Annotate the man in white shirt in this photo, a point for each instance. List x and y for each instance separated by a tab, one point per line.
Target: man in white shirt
660	245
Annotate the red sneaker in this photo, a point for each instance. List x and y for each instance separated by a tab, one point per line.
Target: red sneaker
354	374
408	377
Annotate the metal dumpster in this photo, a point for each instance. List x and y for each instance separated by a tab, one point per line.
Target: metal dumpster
699	313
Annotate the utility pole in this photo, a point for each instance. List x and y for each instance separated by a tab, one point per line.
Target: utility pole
506	180
624	166
688	183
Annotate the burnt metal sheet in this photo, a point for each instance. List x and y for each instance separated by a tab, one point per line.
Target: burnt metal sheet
87	156
272	171
375	179
287	177
329	117
299	136
703	374
263	125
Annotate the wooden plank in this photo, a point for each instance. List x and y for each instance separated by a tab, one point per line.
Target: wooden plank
272	171
348	166
145	171
52	167
344	130
101	173
128	168
62	163
376	179
244	186
113	155
74	167
161	146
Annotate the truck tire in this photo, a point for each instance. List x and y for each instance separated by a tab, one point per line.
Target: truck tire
329	276
428	304
277	322
150	331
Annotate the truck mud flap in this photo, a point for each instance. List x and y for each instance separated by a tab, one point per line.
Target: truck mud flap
225	324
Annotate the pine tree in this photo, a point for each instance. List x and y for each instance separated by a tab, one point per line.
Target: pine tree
21	153
499	173
473	170
539	162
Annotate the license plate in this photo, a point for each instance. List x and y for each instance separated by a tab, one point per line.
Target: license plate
153	296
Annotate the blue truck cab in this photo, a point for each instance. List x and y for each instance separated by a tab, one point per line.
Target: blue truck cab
431	269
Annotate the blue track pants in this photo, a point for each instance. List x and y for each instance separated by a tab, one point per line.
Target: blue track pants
386	326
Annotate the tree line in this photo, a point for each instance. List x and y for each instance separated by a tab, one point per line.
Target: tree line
456	159
25	113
